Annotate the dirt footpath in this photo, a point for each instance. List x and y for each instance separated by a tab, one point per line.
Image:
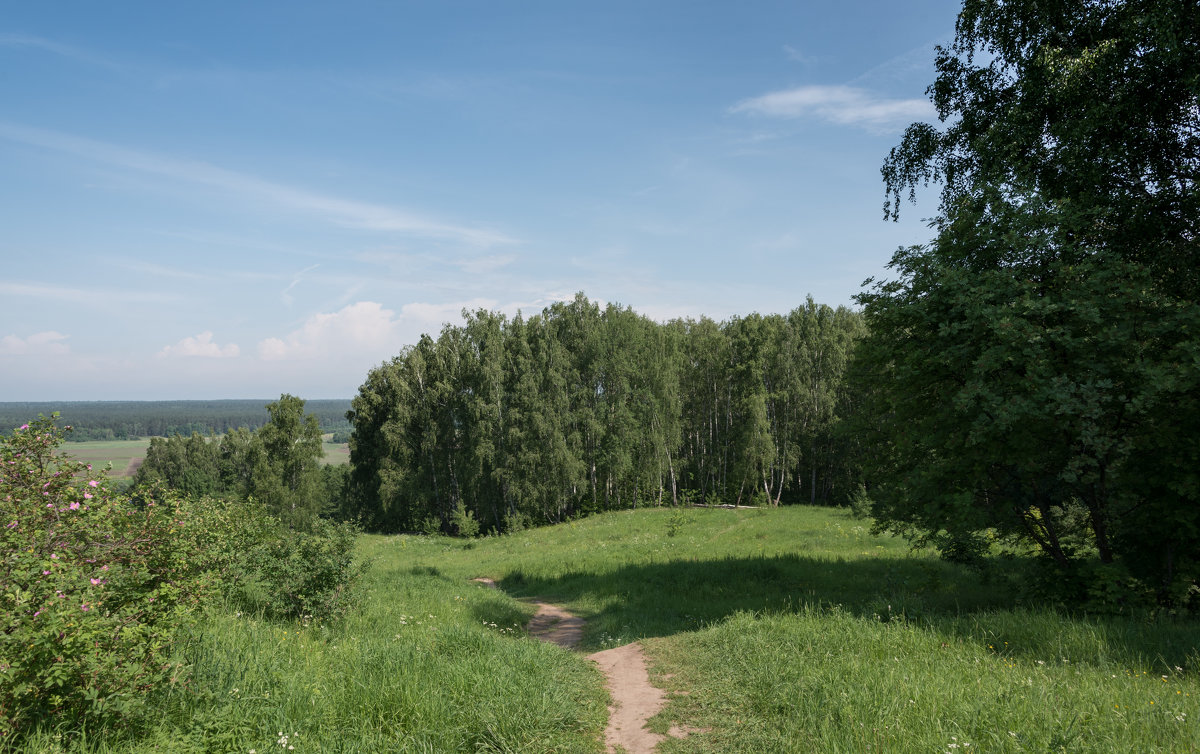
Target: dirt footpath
634	699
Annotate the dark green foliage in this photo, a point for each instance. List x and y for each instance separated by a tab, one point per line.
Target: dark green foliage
191	465
302	574
285	473
581	409
1034	370
335	481
277	465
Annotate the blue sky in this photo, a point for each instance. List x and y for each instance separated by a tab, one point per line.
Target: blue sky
220	200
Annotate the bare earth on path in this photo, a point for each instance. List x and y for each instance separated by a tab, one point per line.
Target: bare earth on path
555	625
634	699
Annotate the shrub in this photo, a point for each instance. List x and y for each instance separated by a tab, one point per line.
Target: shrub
676	522
860	503
431	526
463	521
92	586
303	574
96	587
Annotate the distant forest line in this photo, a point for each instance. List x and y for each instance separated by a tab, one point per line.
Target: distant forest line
121	420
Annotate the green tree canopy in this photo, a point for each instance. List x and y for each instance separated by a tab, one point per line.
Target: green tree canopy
1033	370
581	409
285	463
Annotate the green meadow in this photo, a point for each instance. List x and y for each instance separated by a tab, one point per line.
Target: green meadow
773	630
336	453
124	455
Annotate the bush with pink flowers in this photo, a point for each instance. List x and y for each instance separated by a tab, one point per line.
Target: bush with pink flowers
93	586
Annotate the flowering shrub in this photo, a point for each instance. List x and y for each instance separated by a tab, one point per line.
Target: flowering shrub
96	587
93	586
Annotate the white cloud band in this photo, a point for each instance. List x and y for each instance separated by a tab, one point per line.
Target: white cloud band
843	105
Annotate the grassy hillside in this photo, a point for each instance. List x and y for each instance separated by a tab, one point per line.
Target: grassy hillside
795	630
773	630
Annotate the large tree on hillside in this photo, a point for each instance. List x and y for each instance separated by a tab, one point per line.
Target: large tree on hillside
1034	370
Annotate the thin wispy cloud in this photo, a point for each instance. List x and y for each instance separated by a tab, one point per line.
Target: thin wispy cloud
912	65
63	293
28	41
485	265
286	293
841	105
336	210
796	56
160	270
406	263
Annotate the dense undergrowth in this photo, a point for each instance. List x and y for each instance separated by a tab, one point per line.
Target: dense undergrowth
98	591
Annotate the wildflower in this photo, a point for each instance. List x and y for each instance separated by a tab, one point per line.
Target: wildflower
24	426
74	506
54	556
96	581
84	607
45	573
93	483
87	496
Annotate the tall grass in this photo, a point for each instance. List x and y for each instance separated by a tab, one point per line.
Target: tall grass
429	664
796	630
773	631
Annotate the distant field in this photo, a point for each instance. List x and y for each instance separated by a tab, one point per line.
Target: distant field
336	453
124	455
127	455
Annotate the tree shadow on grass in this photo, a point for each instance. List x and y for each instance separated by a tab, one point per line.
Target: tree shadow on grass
665	598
